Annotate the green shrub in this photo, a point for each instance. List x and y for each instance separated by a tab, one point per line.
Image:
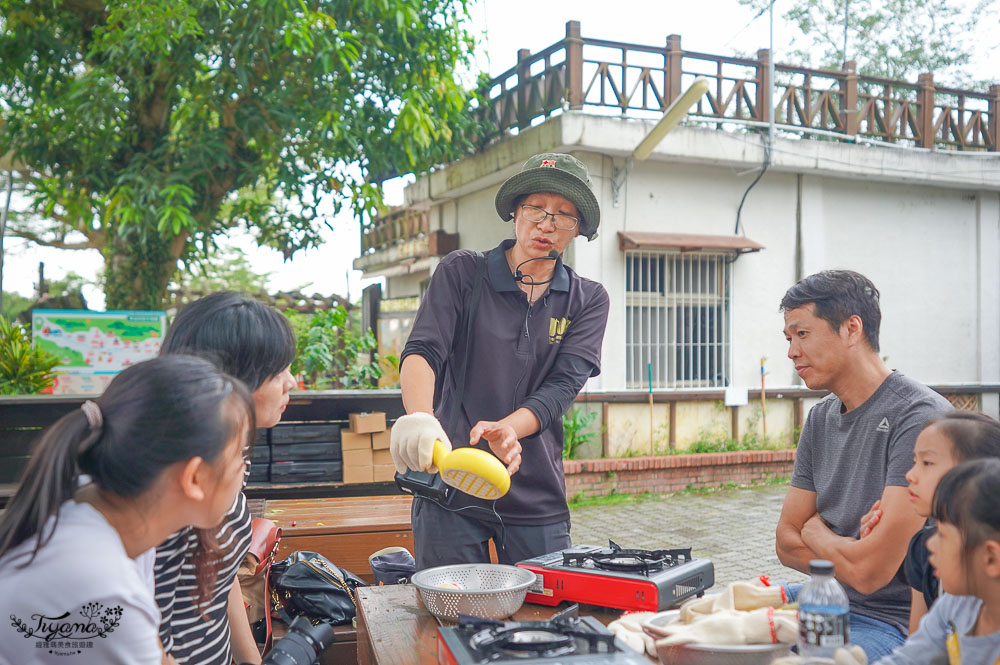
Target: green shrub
330	353
575	431
24	370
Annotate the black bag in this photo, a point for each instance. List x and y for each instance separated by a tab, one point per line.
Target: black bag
308	583
392	565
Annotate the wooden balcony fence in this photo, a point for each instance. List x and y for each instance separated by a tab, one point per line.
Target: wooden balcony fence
637	81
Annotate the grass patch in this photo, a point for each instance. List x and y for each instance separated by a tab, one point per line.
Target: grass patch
614	497
712	489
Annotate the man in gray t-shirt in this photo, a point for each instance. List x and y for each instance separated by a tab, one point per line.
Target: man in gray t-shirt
855	448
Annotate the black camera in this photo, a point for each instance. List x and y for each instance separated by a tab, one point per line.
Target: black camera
302	644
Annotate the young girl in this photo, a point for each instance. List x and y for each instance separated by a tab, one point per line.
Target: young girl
963	626
161	449
957	437
254	343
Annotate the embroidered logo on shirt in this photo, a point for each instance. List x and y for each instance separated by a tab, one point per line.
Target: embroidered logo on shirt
67	635
883	426
557	328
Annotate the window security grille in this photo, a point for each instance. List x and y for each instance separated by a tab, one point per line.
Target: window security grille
676	319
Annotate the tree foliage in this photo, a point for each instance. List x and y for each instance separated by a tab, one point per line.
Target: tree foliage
152	127
891	38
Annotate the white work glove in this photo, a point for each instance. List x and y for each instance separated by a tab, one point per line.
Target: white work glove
762	626
411	442
629	630
736	596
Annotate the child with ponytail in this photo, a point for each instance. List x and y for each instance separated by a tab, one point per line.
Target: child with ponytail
164	447
963	626
958	437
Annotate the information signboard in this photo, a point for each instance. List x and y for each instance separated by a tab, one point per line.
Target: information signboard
94	346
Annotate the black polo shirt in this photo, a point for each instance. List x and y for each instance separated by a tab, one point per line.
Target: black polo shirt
520	356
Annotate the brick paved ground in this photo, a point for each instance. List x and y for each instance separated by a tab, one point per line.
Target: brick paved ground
733	528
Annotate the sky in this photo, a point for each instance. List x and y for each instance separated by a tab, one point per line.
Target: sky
722	27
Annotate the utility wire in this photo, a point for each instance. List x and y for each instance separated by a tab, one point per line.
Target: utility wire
763	170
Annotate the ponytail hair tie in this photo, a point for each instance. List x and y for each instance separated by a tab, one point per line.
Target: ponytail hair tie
93	412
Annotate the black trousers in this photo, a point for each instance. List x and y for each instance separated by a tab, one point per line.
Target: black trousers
442	537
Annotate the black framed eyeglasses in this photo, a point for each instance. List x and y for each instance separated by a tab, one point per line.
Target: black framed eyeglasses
537	215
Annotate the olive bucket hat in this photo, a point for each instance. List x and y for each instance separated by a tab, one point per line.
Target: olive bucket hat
557	173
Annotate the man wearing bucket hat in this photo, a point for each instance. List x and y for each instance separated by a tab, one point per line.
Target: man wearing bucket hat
527	348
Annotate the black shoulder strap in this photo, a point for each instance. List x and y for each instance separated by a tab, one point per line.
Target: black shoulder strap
477	290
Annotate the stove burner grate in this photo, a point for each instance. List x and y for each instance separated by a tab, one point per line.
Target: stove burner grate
627	560
559	636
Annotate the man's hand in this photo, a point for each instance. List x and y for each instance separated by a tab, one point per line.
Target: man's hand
503	442
799	506
411	442
871	518
868	564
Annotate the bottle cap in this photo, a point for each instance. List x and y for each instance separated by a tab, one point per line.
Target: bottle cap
820	567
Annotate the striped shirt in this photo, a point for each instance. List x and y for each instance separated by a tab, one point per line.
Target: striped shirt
191	634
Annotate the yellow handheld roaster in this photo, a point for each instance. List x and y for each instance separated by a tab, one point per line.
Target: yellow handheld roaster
472	471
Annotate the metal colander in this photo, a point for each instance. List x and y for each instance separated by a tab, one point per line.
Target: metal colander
491	591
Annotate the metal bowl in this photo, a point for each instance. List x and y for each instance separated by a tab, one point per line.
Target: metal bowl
713	654
487	590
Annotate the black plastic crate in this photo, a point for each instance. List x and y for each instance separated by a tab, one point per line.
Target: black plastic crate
296	472
305	452
261	454
305	434
259	473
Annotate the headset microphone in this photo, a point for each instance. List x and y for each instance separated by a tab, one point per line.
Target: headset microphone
519	276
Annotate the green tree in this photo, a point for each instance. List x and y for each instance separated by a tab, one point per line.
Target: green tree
152	127
227	269
13	305
891	38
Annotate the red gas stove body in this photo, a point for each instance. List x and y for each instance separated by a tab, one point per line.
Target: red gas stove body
635	580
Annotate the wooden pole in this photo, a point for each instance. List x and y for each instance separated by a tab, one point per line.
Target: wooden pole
649	374
763	399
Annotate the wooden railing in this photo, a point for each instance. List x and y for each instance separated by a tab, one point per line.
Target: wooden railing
398	225
633	80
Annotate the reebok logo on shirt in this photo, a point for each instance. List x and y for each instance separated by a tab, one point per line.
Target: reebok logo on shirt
883	426
557	328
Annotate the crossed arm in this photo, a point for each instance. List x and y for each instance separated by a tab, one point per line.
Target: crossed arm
866	564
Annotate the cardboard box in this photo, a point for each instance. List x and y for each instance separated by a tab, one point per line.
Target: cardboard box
381	457
380	440
384	473
353	441
367	423
358	466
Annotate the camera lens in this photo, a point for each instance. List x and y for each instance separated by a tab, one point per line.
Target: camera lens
302	645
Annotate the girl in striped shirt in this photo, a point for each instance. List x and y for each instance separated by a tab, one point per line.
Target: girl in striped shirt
204	621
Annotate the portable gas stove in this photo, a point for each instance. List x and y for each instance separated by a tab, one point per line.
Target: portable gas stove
565	639
652	580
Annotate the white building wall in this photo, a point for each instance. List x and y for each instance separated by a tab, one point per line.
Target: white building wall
925	227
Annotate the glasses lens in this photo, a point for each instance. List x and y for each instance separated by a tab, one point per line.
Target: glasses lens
565	222
532	214
536	215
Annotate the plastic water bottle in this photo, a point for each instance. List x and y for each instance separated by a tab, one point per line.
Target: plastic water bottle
823	609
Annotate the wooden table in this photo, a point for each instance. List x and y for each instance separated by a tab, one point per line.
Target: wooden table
346	530
395	628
